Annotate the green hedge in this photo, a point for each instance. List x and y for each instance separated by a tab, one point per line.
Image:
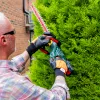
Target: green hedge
76	23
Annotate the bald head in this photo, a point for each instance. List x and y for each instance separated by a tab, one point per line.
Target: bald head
5	25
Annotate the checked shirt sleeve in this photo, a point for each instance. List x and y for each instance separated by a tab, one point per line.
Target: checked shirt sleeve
25	90
18	63
59	86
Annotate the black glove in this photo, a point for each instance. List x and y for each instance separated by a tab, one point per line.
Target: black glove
37	44
59	66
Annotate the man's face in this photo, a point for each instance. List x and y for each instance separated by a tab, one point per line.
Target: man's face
7	37
10	40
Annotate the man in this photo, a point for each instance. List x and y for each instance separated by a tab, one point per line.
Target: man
16	87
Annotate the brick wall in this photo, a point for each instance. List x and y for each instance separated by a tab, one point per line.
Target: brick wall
13	9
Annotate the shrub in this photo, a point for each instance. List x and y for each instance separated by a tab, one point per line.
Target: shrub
76	23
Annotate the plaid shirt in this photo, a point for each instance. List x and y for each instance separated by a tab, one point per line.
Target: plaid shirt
16	87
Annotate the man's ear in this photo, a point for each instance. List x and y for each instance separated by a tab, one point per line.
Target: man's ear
2	40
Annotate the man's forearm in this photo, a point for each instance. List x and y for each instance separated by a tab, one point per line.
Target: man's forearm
25	56
60	82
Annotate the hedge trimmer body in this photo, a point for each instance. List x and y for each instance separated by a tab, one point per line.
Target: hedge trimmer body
54	45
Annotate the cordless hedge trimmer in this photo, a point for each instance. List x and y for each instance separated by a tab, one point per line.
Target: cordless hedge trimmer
54	45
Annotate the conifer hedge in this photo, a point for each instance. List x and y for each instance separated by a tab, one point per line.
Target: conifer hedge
76	23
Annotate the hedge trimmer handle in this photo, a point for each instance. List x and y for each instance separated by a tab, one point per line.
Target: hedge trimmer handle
44	51
43	48
52	38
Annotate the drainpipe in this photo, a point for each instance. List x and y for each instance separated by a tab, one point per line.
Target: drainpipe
24	7
31	28
28	20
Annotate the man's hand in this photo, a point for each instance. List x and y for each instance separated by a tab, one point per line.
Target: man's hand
40	41
36	44
59	66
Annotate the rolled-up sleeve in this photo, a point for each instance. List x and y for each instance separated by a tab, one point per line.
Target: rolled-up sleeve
29	91
60	87
18	63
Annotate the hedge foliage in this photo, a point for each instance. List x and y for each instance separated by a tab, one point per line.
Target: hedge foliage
76	23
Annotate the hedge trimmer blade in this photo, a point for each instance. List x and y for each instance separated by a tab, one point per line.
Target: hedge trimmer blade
42	23
44	27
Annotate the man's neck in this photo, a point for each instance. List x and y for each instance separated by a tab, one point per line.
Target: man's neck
3	54
3	58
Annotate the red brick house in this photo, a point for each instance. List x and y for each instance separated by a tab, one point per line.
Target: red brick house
18	13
